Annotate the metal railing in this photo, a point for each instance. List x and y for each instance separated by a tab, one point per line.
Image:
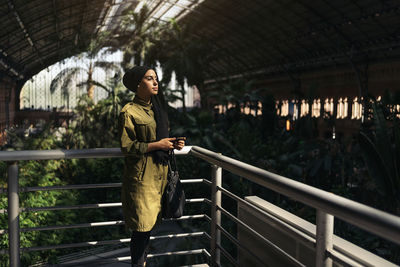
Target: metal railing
326	204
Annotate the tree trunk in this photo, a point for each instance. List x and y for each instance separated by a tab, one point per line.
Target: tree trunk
90	91
183	99
203	99
68	111
90	86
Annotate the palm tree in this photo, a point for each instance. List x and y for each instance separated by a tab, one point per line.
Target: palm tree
134	37
65	78
177	51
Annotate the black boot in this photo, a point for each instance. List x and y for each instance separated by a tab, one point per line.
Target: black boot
139	248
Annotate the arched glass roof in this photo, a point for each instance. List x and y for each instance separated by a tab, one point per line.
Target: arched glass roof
253	37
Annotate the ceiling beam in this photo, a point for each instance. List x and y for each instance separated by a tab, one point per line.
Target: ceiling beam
154	9
169	8
186	9
69	44
23	28
9	66
44	16
56	24
103	15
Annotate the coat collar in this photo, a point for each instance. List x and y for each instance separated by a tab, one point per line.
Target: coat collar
142	103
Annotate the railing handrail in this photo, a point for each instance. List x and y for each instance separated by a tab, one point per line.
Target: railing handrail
60	154
69	154
373	220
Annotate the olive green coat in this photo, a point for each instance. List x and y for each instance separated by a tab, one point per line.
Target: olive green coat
144	181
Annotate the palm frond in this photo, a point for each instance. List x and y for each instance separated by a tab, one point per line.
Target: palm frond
85	83
382	139
101	86
375	164
106	65
64	78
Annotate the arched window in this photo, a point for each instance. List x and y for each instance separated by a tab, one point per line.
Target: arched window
342	108
259	108
397	108
316	108
285	108
328	107
356	109
278	110
304	108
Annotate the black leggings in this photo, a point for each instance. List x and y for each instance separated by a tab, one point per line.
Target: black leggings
139	247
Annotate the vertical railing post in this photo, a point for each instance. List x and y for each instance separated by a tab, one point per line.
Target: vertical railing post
216	177
324	239
13	214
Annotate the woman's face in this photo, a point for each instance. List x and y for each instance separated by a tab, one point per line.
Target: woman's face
149	85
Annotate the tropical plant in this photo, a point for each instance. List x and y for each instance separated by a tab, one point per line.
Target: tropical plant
100	118
135	36
381	153
179	52
66	78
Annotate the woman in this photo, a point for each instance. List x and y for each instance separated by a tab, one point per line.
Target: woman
144	139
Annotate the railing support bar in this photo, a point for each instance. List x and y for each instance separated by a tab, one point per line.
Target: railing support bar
13	214
324	239
216	177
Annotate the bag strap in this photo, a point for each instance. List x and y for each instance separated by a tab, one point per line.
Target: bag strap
172	157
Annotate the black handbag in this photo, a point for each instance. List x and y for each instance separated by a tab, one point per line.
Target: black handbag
173	199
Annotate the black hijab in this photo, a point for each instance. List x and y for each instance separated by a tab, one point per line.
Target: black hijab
131	80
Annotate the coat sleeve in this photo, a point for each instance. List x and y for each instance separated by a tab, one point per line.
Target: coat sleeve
130	146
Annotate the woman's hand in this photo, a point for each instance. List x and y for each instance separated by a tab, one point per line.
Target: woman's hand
179	144
166	143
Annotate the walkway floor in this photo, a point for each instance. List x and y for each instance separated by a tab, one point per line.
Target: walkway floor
156	246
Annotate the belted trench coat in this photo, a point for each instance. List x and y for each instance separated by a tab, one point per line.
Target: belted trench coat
144	181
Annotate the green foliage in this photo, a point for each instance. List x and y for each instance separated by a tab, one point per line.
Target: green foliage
135	37
34	173
178	52
381	153
90	120
19	138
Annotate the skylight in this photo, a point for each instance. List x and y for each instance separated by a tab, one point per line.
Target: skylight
166	10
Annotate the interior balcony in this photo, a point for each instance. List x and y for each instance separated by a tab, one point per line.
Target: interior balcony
263	233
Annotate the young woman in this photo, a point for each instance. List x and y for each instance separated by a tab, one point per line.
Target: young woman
144	139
